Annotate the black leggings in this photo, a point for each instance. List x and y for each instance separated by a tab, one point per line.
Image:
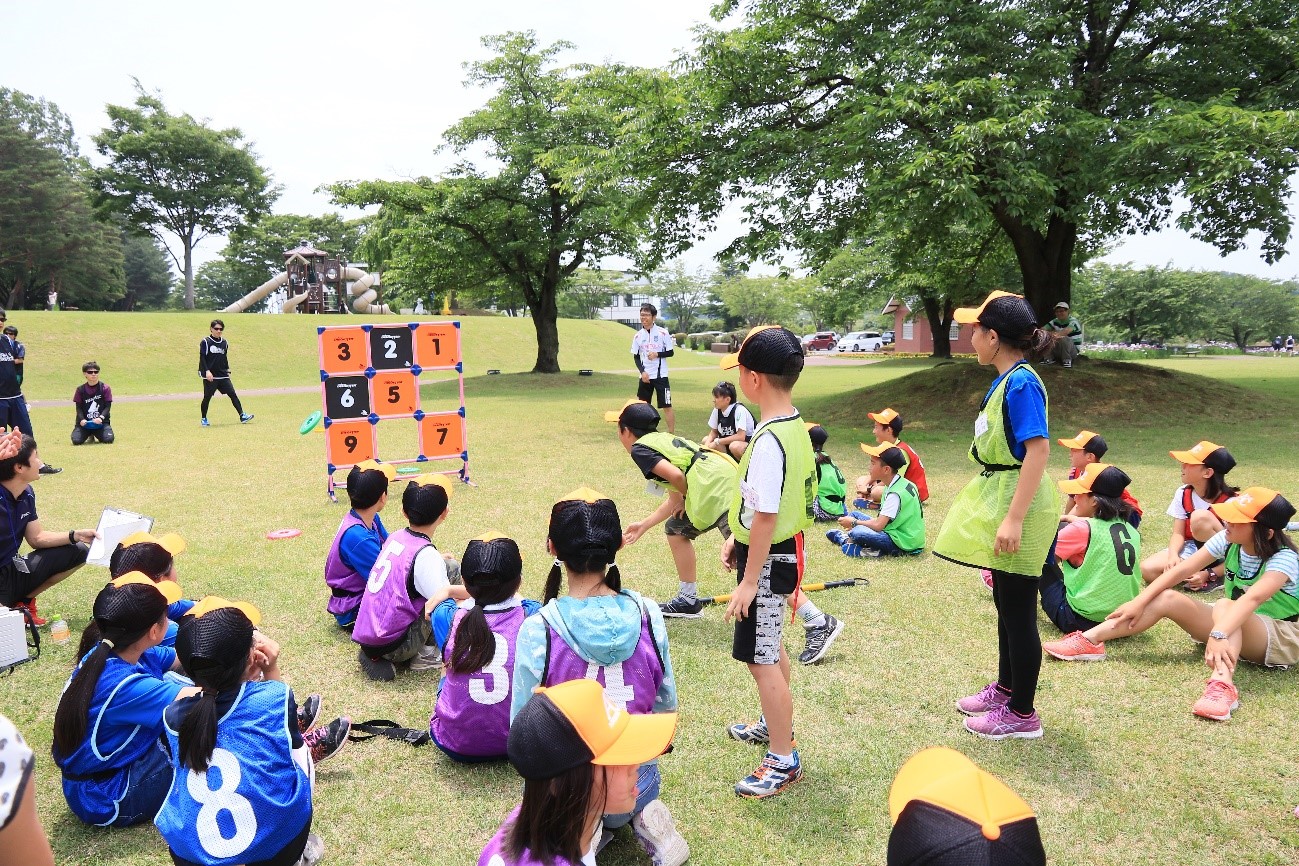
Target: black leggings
225	386
1019	646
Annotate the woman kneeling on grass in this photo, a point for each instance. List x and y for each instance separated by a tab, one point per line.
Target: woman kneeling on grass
1258	620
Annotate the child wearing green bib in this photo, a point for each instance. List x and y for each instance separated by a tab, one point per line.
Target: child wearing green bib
830	483
899	528
1096	553
1257	620
1005	519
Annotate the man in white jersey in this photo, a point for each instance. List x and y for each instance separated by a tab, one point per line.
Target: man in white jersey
651	346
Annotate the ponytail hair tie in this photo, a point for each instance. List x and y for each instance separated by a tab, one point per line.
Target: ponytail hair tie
108	643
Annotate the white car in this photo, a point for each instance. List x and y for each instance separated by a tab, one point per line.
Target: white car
861	341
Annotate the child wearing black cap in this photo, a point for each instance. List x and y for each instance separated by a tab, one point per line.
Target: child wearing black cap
698	484
730	425
829	503
360	536
1086	449
1204	470
770	508
1258	620
600	631
472	717
578	752
1005	519
237	743
899	528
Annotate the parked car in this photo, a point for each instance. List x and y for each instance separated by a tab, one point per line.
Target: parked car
888	337
861	341
823	341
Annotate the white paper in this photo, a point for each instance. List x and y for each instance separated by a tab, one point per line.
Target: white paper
981	424
114	525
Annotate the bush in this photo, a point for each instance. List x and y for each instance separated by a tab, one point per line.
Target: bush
679	339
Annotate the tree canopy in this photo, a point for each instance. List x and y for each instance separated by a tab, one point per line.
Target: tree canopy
172	175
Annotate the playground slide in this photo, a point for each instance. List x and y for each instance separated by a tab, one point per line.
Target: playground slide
363	292
258	293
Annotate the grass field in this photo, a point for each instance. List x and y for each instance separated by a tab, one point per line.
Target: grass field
1124	773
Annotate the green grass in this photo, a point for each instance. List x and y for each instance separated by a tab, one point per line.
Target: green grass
1124	768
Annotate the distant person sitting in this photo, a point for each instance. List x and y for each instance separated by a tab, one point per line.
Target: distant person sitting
1069	343
20	351
94	402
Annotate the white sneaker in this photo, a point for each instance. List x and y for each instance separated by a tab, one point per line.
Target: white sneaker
656	832
313	852
429	659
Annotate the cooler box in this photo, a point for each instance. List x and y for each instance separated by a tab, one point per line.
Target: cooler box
13	637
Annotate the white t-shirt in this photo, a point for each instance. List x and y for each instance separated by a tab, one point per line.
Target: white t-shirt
1284	560
656	339
1177	512
743	419
891	504
765	476
430	572
15	770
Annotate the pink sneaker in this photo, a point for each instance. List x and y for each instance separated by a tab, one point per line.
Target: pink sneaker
1002	723
1217	702
986	576
989	698
1074	647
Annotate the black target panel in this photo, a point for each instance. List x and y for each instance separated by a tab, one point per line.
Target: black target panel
347	397
391	349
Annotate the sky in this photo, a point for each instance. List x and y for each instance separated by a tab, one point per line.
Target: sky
330	91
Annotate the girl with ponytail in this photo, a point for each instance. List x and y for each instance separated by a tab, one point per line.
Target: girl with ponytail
107	726
237	743
155	558
472	718
602	632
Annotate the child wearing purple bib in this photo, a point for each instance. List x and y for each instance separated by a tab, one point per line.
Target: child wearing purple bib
600	631
408	579
360	536
472	718
578	753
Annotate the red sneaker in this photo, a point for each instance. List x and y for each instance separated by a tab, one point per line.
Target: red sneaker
1217	702
29	608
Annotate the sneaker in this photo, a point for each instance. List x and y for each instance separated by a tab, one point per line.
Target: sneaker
819	640
245	418
328	741
1068	364
836	536
1048	361
656	832
28	607
47	469
1217	702
986	576
428	659
856	550
1003	723
770	779
308	713
205	423
313	852
1073	647
379	670
683	608
754	733
986	700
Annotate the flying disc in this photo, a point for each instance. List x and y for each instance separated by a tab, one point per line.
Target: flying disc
409	470
310	424
280	534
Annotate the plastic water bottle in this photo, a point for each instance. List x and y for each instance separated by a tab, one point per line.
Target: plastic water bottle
59	632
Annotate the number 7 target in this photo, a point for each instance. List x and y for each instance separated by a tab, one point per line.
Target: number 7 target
442	436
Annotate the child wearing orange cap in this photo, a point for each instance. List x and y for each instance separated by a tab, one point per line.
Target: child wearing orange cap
1086	449
1258	620
1204	469
888	427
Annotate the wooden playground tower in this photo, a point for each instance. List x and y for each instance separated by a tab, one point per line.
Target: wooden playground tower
317	274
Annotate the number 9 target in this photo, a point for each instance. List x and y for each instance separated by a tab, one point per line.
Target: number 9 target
349	442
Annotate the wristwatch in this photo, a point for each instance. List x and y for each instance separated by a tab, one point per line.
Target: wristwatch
1218	635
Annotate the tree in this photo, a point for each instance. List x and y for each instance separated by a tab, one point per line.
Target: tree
148	274
759	300
1246	309
685	296
1143	305
1062	123
219	284
173	175
517	223
255	251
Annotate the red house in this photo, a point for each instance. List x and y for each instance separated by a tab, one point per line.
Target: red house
911	331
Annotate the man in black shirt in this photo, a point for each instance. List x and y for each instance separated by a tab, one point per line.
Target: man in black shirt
13	405
214	367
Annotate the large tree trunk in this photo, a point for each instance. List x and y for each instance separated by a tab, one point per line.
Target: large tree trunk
16	293
189	273
940	326
1045	261
545	316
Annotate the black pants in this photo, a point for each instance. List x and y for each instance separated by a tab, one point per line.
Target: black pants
85	434
1019	647
225	386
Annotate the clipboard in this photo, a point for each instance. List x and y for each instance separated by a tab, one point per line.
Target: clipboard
115	524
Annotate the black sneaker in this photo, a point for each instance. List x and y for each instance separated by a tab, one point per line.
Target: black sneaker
47	469
328	741
380	670
308	713
819	640
683	608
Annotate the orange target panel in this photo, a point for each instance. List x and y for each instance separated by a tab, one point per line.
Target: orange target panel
394	393
349	442
442	435
437	344
343	350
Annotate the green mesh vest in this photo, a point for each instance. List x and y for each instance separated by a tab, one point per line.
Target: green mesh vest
710	476
1282	605
830	489
1108	576
907	529
799	489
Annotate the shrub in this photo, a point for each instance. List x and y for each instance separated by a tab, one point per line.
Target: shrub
679	339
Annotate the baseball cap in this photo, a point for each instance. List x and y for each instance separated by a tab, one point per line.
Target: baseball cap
585	521
946	810
573	723
768	349
890	454
817	434
970	315
1004	312
1206	453
169	589
432	479
171	542
490	558
389	471
1088	441
884	416
634	413
213	642
1256	505
1062	305
1099	478
215	602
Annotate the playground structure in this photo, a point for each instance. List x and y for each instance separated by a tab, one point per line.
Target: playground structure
317	283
